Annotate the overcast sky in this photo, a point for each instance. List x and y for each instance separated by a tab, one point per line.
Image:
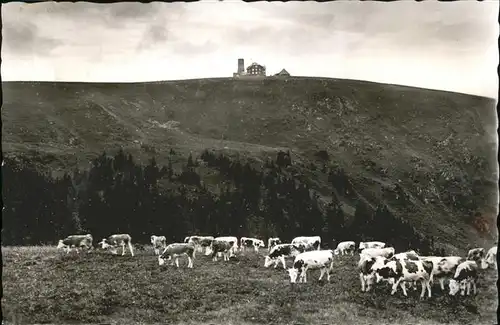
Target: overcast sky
430	44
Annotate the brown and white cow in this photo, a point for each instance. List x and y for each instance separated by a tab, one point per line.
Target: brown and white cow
465	276
176	250
443	267
491	258
116	240
279	252
345	247
246	242
230	239
159	243
371	244
201	243
386	252
477	255
226	247
400	271
309	242
76	241
273	241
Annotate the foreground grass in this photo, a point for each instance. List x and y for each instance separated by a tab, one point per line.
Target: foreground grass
43	285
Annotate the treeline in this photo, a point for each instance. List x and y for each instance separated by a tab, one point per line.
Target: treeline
119	195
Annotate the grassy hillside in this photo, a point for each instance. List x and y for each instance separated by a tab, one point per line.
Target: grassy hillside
43	285
431	143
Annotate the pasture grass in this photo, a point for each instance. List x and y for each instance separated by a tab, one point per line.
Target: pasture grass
44	285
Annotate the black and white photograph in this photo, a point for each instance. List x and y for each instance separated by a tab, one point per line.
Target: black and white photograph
236	162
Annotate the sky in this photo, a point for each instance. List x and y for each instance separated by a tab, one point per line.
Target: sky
437	45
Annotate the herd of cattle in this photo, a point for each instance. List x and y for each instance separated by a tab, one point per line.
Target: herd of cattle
377	262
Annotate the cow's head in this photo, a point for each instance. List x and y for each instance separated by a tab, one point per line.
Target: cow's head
260	243
293	273
161	260
362	246
153	239
336	251
268	261
60	244
300	247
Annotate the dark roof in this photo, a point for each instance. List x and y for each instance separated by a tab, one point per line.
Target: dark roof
283	72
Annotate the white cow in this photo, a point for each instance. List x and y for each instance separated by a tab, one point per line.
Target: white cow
443	267
271	242
176	250
371	244
400	271
113	241
279	252
319	259
76	241
386	252
159	243
491	258
246	242
345	247
310	242
465	276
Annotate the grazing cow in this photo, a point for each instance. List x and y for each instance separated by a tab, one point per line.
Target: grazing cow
371	244
118	240
271	242
322	259
345	247
279	252
386	252
400	271
222	246
491	257
176	250
246	242
310	242
159	243
76	241
477	255
202	243
465	275
409	255
443	267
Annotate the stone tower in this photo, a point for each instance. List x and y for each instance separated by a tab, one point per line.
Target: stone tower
241	66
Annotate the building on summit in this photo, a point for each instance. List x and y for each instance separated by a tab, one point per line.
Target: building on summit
255	71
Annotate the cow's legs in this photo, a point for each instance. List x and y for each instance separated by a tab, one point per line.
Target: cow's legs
282	258
422	293
362	279
395	287
123	249
441	282
190	262
474	286
328	275
322	273
468	287
177	261
428	285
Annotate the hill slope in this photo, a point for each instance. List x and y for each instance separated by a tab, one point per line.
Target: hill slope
431	143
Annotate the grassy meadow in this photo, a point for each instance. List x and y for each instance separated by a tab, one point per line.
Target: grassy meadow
44	285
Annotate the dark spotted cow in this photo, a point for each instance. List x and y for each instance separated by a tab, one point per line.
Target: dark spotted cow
255	243
400	271
491	258
226	247
201	243
309	242
280	251
465	276
443	267
271	242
